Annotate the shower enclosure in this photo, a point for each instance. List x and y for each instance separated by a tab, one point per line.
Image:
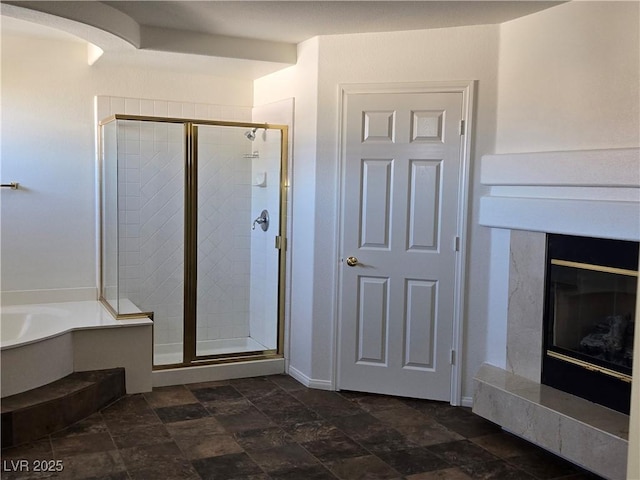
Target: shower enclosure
193	234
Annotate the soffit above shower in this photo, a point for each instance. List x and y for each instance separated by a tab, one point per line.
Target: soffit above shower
264	33
296	21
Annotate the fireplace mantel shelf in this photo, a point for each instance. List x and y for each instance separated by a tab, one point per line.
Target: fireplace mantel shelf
583	192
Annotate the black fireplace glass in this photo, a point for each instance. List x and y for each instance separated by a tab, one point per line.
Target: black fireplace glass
593	312
589	317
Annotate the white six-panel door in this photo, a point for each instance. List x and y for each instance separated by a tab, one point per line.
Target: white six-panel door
400	207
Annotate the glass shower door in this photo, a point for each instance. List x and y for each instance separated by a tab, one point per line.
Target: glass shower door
109	215
150	177
238	264
192	234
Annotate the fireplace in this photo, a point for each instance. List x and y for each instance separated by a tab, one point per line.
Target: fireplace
589	318
588	193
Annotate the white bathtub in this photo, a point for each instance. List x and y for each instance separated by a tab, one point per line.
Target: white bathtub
24	324
40	343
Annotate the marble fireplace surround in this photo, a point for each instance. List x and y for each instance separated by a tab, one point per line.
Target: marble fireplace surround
589	193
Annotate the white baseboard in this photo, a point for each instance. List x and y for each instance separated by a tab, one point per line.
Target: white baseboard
309	382
326	384
223	371
52	295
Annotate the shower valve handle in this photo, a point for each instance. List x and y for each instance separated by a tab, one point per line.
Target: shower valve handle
262	220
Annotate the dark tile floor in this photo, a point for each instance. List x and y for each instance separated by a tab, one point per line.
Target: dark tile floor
275	428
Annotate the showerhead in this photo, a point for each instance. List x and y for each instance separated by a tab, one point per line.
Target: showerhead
251	134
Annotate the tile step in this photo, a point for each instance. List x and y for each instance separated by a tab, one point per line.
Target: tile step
39	412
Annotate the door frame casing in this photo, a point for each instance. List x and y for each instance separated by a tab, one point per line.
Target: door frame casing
467	89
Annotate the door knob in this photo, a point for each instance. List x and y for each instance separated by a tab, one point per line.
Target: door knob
352	261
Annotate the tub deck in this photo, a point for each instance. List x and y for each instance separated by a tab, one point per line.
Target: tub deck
67	337
52	319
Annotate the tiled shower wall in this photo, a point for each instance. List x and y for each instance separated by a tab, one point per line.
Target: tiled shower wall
151	194
264	257
151	222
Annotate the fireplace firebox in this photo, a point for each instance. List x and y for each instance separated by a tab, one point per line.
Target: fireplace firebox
589	318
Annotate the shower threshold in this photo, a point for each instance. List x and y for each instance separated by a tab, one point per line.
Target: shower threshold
171	353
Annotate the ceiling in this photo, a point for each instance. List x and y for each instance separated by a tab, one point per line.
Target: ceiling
296	21
244	38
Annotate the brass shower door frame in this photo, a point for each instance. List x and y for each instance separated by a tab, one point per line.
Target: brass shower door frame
190	131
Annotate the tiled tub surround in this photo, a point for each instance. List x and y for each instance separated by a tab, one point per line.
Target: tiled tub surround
590	193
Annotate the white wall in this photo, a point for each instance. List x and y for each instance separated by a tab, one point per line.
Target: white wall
301	82
467	53
48	227
569	78
558	79
420	56
48	237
